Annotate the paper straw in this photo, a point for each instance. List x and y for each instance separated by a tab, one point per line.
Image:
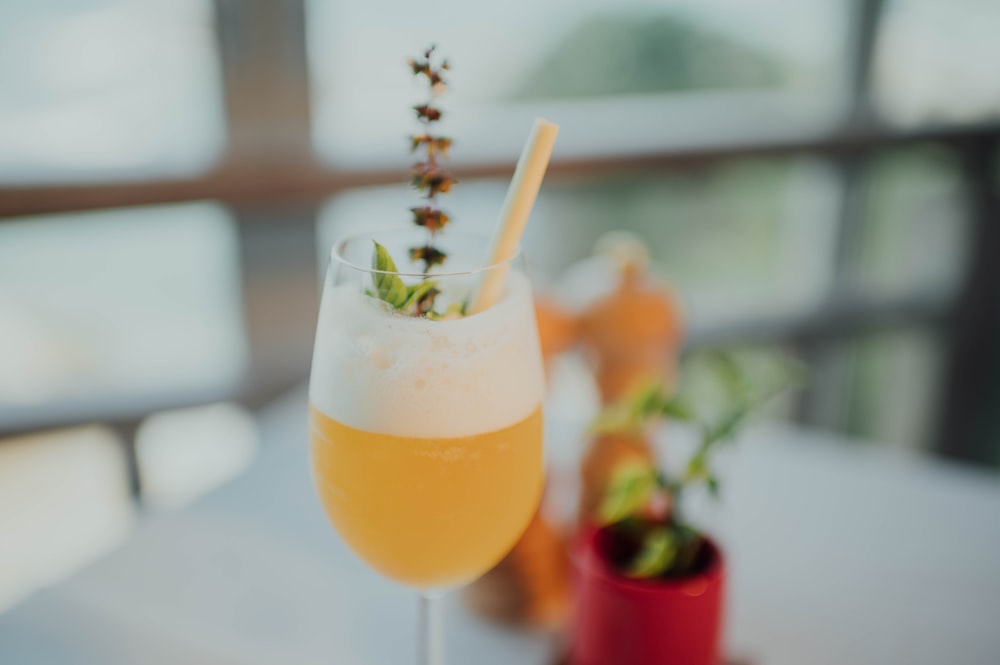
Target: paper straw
517	206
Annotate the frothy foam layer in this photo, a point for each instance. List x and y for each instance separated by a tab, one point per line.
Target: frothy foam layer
385	373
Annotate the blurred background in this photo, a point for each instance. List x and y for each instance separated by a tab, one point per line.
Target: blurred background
819	176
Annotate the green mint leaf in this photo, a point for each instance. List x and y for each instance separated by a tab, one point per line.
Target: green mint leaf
425	305
420	298
630	488
416	292
388	285
659	550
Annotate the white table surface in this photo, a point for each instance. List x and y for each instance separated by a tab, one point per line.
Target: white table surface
839	554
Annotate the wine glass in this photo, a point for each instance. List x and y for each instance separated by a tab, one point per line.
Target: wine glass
426	432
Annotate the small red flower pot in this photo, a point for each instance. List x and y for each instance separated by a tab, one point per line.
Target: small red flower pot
624	621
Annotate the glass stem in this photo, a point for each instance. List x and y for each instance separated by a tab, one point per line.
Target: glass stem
431	629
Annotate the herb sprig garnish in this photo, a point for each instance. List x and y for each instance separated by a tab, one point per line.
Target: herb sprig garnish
428	176
431	179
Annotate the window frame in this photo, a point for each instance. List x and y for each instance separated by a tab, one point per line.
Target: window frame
264	62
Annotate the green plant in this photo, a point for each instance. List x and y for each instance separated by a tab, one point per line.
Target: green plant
642	506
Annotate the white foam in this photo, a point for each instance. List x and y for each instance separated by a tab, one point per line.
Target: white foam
385	373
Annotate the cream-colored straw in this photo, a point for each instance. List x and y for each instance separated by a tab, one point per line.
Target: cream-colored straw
517	206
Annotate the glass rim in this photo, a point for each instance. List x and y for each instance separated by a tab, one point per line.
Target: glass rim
337	254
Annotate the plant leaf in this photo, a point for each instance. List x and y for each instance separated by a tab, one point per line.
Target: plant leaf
677	408
615	419
631	485
731	373
388	285
425	303
432	256
647	401
659	550
429	177
417	291
697	467
713	486
632	412
430	218
729	425
428	113
688	544
453	311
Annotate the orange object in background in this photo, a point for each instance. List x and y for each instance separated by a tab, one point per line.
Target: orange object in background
558	329
531	586
631	335
428	512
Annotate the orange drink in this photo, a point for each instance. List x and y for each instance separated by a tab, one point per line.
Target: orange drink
444	510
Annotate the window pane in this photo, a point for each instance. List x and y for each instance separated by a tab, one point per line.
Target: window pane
105	310
741	239
64	503
892	388
185	453
916	227
936	61
616	75
107	89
